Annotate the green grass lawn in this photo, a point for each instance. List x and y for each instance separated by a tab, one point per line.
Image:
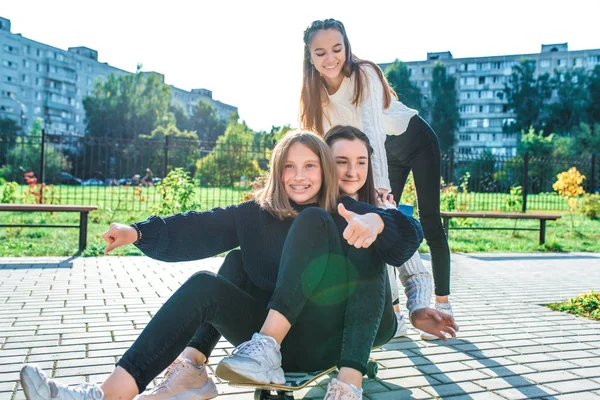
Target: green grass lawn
145	198
15	242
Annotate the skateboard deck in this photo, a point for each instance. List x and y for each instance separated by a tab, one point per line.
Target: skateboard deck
293	381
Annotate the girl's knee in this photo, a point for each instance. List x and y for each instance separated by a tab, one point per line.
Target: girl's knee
314	216
202	279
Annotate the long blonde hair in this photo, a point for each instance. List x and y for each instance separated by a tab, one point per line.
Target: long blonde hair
311	100
273	197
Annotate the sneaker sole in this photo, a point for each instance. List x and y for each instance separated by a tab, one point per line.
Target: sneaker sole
195	394
29	386
225	372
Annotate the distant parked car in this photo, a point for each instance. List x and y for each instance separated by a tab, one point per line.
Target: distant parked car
92	182
65	178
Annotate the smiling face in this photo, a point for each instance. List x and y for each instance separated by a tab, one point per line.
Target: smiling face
302	176
328	54
352	161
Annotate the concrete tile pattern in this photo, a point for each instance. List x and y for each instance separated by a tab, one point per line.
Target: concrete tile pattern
76	316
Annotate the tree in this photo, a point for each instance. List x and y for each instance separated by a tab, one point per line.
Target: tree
569	109
8	135
526	96
127	105
232	158
444	109
586	140
205	123
184	148
398	76
594	97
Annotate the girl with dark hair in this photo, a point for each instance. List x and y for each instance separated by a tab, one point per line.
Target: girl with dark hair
339	88
290	240
352	154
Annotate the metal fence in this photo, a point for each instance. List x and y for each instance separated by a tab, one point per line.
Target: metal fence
122	174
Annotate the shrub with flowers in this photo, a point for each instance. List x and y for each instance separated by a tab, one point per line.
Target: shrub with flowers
569	186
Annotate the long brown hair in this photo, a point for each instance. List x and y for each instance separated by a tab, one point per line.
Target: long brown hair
366	193
311	97
273	197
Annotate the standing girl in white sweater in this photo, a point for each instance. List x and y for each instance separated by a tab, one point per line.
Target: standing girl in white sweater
338	88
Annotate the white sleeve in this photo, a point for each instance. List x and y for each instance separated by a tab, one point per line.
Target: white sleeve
372	119
417	283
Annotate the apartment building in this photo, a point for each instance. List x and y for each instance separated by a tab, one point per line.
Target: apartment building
38	80
480	85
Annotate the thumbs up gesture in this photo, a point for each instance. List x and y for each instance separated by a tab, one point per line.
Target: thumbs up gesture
362	230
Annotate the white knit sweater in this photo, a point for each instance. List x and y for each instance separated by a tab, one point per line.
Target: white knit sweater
369	116
415	278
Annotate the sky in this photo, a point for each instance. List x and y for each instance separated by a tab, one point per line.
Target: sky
249	53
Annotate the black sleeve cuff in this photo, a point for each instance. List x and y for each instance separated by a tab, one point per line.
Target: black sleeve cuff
154	236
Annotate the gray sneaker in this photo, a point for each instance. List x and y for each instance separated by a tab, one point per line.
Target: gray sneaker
402	327
184	381
445	308
338	390
38	386
257	361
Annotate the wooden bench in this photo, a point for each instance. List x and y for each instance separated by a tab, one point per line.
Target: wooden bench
82	210
446	215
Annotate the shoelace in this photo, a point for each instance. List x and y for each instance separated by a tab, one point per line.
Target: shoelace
84	389
338	392
170	371
251	348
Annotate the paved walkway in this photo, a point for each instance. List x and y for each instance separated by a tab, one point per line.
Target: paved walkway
75	317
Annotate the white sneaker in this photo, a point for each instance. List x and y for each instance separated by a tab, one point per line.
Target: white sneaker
338	390
445	308
184	381
38	386
257	361
402	327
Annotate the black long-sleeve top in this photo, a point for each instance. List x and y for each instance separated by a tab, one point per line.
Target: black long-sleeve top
260	236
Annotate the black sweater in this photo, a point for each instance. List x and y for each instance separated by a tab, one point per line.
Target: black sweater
260	236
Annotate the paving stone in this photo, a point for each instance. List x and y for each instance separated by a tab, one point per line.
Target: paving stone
526	392
578	385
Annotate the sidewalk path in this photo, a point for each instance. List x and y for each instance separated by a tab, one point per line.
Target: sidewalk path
75	317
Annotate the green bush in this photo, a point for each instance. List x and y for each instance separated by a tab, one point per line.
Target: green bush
590	205
177	193
8	192
585	305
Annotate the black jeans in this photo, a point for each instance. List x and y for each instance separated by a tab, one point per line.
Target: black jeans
418	149
320	289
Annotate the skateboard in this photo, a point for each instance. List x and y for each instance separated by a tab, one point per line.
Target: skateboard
297	381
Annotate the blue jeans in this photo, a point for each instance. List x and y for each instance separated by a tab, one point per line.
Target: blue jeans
337	299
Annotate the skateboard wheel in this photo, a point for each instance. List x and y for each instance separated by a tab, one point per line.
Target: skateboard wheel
372	369
262	394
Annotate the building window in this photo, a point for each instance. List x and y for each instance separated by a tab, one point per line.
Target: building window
425	84
10	49
471	81
559	63
545	64
593	60
482	80
60	57
452	69
472	67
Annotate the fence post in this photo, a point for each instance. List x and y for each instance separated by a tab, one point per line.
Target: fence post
166	155
451	180
42	162
525	180
593	177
